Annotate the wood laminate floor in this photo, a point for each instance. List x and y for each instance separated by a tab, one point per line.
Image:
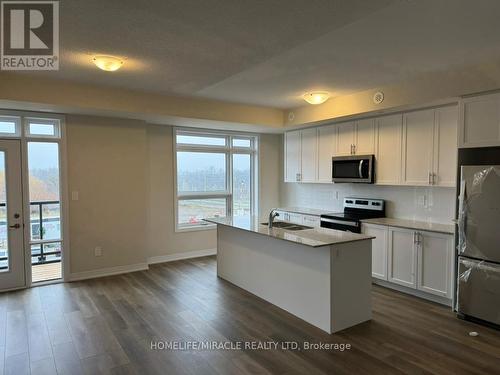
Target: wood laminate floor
106	326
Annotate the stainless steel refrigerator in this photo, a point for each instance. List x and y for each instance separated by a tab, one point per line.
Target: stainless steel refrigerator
478	250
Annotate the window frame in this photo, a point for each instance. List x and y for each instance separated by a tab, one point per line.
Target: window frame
229	151
17	126
56	123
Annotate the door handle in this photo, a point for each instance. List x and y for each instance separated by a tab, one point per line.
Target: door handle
15	226
360	168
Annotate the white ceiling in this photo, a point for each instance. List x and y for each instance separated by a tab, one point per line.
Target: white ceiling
270	52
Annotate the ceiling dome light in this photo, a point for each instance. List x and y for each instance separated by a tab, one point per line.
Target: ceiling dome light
108	63
316	97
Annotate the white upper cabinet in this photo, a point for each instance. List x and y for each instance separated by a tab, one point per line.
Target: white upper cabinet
345	138
430	147
355	138
292	156
418	135
480	121
326	149
435	254
445	147
365	137
416	148
388	150
309	155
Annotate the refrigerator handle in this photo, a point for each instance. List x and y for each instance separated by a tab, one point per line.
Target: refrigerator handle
461	199
462	222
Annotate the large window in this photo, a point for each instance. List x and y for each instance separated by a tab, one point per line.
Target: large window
215	176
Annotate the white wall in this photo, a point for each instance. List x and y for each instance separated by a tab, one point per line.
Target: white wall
106	160
271	172
402	201
124	173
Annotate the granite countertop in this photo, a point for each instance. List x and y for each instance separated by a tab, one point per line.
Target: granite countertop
314	237
413	224
304	211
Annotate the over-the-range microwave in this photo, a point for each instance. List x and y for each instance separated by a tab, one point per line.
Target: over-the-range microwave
354	168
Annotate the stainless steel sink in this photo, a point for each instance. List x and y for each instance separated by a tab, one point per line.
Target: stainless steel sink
288	226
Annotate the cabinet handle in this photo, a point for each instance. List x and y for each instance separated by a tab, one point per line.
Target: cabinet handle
414	237
434	178
419	238
430	178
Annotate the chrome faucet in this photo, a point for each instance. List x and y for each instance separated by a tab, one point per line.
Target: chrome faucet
272	215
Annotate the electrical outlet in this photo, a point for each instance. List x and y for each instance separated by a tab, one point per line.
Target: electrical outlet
98	251
337	195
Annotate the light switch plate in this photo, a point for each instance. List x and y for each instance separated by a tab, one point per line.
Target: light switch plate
74	195
98	251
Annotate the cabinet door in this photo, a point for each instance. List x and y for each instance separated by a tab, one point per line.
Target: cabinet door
435	252
388	150
292	156
345	138
480	123
365	137
379	249
326	149
418	134
445	146
309	155
402	257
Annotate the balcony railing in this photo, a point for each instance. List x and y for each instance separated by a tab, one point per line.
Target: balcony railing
45	233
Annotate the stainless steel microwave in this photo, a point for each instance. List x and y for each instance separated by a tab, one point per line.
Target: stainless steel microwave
354	168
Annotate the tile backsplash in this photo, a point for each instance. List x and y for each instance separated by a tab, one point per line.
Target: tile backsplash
434	204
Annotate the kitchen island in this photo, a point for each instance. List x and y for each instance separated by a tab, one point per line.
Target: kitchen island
323	276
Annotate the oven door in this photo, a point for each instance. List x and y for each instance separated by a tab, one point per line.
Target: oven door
344	225
353	169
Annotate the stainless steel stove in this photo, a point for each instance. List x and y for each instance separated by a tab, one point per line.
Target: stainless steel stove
355	210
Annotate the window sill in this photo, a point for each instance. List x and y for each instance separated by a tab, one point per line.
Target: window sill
195	228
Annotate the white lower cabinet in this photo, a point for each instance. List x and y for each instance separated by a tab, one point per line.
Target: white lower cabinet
402	257
379	249
435	259
414	259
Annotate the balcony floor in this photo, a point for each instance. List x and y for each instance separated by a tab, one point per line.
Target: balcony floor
45	272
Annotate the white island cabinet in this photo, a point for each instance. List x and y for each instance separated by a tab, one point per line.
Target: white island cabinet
322	276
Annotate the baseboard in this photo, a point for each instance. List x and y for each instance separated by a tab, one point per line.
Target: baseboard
180	256
413	292
107	271
140	266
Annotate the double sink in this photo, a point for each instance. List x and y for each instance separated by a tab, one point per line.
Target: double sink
288	226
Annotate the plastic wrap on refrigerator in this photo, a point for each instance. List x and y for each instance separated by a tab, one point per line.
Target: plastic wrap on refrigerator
479	289
479	218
